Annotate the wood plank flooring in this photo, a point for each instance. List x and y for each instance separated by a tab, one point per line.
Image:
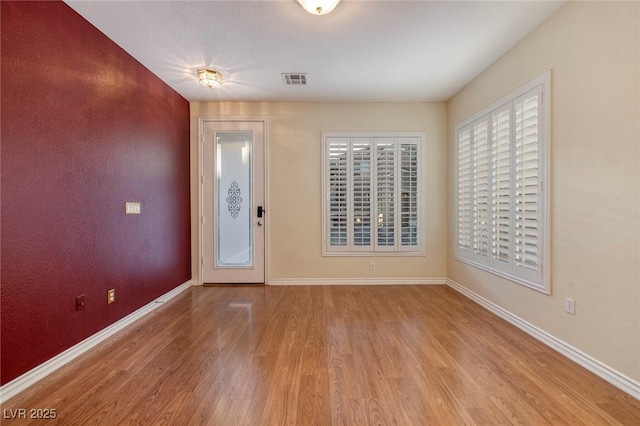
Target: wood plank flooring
341	355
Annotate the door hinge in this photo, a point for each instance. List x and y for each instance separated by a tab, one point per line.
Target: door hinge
202	260
201	138
202	178
202	219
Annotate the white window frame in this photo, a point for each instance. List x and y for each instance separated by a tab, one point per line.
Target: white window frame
374	249
540	279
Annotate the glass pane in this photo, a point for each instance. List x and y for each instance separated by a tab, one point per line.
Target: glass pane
233	203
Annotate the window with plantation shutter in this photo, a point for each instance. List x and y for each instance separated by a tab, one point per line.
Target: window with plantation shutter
372	197
502	206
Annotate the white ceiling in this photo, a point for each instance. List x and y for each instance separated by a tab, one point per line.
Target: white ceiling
385	51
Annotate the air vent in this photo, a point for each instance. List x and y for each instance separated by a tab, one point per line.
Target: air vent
294	79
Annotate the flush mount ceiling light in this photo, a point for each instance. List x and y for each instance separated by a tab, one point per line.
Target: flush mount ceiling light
209	78
318	7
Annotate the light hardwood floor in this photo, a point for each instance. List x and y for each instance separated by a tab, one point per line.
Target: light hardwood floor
342	355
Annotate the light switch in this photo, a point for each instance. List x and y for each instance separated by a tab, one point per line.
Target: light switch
132	208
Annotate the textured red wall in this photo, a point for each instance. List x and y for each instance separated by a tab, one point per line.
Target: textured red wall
85	128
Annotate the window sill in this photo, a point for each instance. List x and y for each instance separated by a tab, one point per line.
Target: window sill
421	253
541	287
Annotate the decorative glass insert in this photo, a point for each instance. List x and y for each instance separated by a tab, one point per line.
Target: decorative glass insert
234	239
234	199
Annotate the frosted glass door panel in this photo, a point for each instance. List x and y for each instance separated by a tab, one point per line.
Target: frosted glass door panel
234	240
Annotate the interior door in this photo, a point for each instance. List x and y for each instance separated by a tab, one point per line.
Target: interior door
233	202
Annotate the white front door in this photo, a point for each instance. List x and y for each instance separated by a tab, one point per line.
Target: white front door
233	202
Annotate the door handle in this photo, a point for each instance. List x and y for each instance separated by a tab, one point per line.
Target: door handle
261	211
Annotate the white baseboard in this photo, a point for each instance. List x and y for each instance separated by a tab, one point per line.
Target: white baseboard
617	379
19	384
358	281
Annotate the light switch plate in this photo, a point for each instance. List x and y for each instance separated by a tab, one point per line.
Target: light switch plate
132	208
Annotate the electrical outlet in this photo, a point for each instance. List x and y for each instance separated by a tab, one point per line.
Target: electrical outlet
80	303
372	266
111	295
570	306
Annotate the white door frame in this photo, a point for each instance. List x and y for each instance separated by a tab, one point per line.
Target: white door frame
201	122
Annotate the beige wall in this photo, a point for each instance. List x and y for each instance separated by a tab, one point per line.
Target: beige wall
593	52
295	187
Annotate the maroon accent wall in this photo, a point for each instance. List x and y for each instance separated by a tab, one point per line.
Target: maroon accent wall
85	128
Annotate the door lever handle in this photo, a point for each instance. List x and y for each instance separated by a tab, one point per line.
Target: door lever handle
261	211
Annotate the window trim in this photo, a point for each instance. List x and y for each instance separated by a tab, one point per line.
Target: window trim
544	161
419	250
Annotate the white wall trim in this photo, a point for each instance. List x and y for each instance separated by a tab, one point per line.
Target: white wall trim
617	379
29	378
358	281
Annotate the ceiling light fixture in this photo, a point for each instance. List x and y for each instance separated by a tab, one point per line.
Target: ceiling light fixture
209	78
318	7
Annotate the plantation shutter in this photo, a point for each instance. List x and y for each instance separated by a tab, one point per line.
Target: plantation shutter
464	188
409	195
501	232
502	206
371	193
481	239
361	194
338	161
385	194
527	184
